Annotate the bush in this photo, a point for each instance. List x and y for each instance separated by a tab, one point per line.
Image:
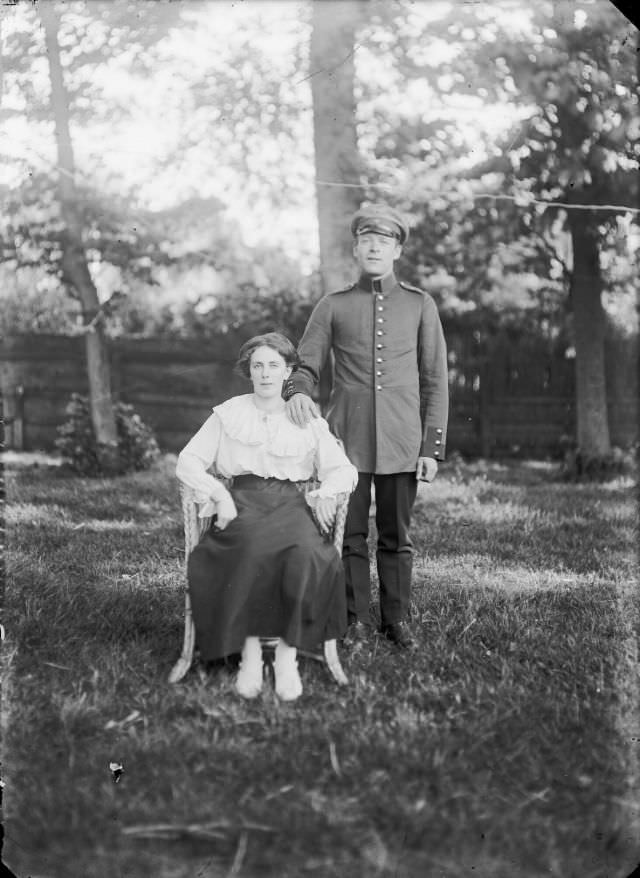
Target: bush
578	466
137	446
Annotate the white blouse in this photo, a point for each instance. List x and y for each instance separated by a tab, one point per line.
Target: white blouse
239	438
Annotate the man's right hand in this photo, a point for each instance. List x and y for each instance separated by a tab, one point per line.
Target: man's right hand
301	409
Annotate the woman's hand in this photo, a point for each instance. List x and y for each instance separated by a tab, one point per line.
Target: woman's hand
225	511
325	512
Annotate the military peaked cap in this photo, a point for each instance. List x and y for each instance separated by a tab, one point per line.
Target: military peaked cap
382	220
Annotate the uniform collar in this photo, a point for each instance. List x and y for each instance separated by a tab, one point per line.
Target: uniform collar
377	285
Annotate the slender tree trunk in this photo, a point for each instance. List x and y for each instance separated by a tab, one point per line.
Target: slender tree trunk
74	260
334	134
1	64
589	327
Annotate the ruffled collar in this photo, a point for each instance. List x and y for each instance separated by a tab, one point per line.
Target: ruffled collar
243	422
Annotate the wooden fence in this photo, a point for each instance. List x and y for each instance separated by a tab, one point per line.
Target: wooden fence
509	395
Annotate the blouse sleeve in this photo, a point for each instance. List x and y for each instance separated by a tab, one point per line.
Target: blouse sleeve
335	471
195	459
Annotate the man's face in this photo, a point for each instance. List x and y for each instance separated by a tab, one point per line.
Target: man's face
375	254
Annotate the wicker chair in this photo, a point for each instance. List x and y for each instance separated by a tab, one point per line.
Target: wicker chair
194	528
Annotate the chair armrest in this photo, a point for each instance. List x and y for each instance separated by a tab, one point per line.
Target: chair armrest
342	504
194	527
341	517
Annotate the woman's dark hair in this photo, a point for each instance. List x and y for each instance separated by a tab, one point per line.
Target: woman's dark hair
273	340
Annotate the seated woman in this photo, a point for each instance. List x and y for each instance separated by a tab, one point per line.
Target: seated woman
263	569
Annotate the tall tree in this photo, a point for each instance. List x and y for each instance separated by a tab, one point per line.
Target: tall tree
56	220
337	162
570	71
579	149
74	258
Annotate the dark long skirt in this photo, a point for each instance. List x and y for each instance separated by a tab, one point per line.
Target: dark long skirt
269	573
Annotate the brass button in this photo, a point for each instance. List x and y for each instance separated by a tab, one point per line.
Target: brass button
380	308
380	298
438	442
439	431
380	319
378	374
380	332
379	360
378	387
379	346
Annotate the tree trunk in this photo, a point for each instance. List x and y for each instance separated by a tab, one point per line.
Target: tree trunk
74	260
589	327
334	134
1	64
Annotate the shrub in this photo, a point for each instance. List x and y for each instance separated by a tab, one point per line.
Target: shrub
137	446
578	466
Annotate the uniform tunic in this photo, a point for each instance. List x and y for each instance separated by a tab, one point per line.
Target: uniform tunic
389	402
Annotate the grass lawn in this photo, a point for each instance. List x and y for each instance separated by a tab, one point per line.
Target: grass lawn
506	747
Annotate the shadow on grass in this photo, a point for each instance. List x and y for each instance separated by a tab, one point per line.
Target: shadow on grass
488	729
577	529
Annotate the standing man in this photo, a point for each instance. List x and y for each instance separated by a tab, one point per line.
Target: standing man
389	406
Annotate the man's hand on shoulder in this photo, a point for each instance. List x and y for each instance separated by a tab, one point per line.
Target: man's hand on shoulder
427	469
301	409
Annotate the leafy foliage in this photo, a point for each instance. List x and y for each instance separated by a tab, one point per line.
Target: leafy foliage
567	80
137	445
578	466
92	35
467	113
32	232
32	303
420	126
117	234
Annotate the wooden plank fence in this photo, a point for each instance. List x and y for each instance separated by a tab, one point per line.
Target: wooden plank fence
509	395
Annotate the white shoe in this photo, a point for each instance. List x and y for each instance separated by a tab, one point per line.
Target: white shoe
249	678
285	666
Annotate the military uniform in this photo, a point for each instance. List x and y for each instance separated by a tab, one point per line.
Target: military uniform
389	406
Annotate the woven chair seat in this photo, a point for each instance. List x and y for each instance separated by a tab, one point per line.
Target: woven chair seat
195	527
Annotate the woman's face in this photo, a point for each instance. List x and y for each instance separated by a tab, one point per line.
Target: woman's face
268	370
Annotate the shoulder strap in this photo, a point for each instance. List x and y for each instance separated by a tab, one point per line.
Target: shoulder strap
413	289
345	290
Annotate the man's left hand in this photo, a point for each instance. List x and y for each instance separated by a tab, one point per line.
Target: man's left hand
427	469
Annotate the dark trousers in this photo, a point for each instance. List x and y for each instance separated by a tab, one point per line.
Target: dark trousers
395	496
